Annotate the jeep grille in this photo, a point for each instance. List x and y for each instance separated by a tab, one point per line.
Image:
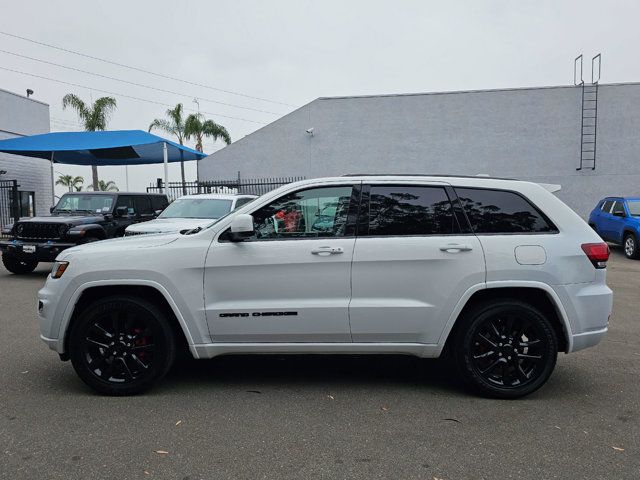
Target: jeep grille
38	230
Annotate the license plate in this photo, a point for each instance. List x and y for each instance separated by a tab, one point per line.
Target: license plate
29	248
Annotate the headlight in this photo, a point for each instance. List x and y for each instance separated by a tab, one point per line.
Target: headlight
62	229
58	269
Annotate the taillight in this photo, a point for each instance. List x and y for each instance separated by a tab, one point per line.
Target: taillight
598	253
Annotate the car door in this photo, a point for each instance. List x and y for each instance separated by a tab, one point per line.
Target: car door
606	220
290	281
618	220
414	258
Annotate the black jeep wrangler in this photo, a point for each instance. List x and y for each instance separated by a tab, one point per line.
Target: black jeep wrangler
78	218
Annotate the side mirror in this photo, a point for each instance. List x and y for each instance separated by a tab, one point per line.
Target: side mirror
122	211
51	209
241	227
157	213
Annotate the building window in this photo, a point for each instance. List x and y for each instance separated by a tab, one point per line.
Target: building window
26	203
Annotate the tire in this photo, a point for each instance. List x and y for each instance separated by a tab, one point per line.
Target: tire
630	246
121	345
493	360
18	265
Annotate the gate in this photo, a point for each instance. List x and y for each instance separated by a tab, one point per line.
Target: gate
9	208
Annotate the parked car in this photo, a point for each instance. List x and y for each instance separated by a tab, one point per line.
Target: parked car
189	212
77	218
498	275
617	220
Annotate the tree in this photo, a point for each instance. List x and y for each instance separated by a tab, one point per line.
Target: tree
93	117
174	125
109	186
199	128
74	183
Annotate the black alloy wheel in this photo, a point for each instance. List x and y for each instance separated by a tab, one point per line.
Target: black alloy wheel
121	345
506	349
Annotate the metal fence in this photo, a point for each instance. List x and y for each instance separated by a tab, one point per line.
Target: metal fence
237	186
9	208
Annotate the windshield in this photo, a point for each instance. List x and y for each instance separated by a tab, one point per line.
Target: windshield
84	203
634	207
197	208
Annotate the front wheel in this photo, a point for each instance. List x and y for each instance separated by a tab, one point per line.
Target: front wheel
18	265
121	345
631	246
505	349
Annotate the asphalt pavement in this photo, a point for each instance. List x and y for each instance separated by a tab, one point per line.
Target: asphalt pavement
305	417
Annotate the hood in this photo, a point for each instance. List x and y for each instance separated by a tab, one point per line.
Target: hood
166	225
64	219
120	244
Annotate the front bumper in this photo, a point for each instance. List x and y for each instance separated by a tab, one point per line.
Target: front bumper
43	251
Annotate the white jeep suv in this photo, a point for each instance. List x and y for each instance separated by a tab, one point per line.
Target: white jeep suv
499	275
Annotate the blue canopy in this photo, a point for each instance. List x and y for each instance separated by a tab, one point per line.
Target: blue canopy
119	147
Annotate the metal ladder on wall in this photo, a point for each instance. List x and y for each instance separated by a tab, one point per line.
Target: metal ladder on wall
589	122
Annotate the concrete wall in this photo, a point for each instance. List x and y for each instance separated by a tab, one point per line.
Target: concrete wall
21	116
529	133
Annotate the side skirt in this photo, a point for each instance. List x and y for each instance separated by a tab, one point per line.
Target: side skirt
416	349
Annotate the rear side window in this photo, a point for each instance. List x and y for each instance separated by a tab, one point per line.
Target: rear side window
159	202
618	208
143	205
242	201
500	211
606	207
410	210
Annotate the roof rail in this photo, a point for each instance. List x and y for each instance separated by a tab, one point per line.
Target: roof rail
482	175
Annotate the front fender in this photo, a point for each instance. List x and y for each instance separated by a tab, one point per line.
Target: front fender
177	303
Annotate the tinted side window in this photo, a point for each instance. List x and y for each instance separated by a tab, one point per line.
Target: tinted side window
410	210
159	202
499	211
242	201
126	201
143	205
606	208
617	207
313	213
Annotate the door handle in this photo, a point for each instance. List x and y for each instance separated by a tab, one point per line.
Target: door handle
327	250
455	248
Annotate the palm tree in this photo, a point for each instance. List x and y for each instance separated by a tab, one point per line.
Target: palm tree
109	186
199	128
71	182
174	125
93	117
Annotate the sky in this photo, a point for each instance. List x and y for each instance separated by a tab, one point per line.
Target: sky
249	62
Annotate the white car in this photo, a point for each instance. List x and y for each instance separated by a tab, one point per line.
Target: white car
499	275
189	212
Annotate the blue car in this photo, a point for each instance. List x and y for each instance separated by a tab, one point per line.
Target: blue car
617	220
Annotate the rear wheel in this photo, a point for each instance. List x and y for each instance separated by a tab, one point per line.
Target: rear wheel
121	345
630	245
18	265
505	349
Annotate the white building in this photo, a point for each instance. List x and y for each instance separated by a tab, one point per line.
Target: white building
20	116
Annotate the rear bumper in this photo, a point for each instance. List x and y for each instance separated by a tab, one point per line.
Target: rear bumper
43	251
588	339
588	308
